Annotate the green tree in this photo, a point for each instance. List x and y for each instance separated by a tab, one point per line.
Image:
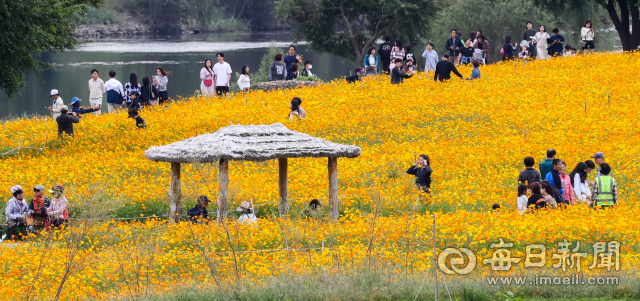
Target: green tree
349	28
621	13
30	27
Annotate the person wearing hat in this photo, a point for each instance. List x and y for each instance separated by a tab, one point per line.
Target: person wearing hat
199	212
133	113
605	190
444	69
16	212
313	210
599	158
247	213
75	107
58	103
37	214
65	122
58	210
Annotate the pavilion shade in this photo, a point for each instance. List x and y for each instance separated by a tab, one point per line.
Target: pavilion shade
250	143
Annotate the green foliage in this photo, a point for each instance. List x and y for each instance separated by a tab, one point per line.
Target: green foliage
310	78
30	27
263	71
99	16
348	28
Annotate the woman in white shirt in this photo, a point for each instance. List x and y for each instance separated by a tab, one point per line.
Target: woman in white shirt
206	75
247	213
244	83
541	43
522	198
586	34
580	185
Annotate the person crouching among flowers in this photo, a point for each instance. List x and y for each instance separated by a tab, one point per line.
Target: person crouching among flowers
58	210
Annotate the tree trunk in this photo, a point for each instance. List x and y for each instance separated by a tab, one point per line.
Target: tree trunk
283	188
223	190
175	193
333	188
621	22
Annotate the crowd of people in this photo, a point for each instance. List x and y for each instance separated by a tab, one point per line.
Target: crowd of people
40	213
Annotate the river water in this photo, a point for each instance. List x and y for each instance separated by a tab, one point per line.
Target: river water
183	55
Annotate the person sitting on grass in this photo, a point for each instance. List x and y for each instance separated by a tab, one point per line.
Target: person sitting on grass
422	170
247	213
58	210
296	109
133	113
16	212
199	212
37	215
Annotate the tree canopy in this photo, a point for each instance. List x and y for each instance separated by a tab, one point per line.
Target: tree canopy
621	13
30	27
349	28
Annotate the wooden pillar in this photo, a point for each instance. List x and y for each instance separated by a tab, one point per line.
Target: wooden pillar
283	187
175	193
333	188
223	190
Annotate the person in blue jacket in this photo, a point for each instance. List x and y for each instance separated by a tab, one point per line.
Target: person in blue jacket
554	177
75	107
371	59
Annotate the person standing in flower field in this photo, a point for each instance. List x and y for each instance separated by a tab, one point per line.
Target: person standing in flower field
115	92
453	45
547	165
567	187
65	122
221	75
599	158
605	192
397	52
96	89
422	171
58	103
557	42
290	59
586	35
160	81
522	200
206	75
536	200
431	58
529	35
397	75
385	53
444	69
579	182
277	70
529	174
554	176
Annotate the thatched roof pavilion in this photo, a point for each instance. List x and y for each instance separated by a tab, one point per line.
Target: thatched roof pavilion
251	143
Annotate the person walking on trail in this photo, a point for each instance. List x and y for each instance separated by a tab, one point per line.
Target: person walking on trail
547	165
115	93
37	215
221	75
96	89
605	191
132	86
385	53
206	75
397	75
599	158
247	213
444	69
290	59
277	70
58	211
16	212
541	38
422	171
199	213
58	103
65	122
529	174
160	81
529	35
453	45
431	58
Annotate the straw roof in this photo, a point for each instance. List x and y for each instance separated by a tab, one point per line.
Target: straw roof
250	143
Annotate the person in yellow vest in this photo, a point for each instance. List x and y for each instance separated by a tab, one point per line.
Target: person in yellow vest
605	192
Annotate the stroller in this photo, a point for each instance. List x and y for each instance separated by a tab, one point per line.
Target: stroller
370	71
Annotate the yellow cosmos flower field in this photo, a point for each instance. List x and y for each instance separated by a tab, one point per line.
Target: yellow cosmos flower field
476	134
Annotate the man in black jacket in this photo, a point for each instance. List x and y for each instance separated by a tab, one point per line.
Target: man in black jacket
66	121
397	75
385	53
199	212
444	69
454	43
529	174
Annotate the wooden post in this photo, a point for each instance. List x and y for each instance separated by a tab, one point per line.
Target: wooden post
223	190
175	193
283	187
333	188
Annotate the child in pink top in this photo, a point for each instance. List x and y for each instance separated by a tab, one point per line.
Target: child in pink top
569	198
